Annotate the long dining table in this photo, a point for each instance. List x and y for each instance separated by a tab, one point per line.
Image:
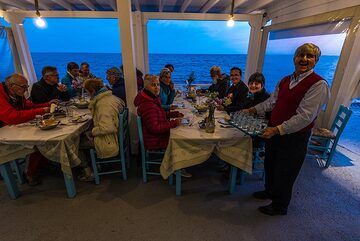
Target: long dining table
190	145
60	144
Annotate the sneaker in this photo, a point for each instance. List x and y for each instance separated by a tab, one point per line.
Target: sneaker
86	178
184	173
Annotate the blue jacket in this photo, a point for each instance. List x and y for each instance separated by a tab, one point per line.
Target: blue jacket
67	80
166	95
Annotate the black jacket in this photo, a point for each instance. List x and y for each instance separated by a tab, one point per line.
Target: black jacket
221	86
257	98
118	89
238	102
42	92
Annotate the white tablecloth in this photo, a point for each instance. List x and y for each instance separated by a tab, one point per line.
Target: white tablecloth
60	144
190	145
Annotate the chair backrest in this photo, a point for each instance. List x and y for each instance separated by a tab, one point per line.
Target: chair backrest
140	132
123	128
342	117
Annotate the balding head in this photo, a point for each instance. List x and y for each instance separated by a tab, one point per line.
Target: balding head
17	84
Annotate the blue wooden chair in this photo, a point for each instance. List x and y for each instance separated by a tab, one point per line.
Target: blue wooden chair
124	148
146	156
323	142
17	170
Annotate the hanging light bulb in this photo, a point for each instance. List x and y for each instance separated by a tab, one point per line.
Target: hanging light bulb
39	21
231	22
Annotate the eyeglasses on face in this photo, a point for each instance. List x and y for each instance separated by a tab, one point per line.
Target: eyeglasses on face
22	86
154	84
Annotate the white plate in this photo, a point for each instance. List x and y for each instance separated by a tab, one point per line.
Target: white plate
77	119
223	122
185	121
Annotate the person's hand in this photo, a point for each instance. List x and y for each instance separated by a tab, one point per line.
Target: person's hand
180	115
62	88
54	101
270	132
177	121
46	109
251	110
173	107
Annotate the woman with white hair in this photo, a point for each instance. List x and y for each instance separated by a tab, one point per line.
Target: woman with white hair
105	108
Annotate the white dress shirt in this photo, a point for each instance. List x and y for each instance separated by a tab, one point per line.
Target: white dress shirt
315	98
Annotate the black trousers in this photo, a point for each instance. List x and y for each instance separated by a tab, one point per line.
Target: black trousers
284	157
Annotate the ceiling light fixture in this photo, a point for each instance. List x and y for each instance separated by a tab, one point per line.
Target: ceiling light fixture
39	21
231	22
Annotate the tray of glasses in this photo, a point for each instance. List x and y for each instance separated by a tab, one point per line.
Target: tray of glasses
249	124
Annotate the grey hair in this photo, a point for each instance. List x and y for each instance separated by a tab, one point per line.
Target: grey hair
48	70
164	72
11	79
308	47
148	78
215	69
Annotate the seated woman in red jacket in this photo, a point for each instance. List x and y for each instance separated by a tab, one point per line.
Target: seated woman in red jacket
16	109
155	120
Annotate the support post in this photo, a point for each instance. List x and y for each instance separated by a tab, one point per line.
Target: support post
22	47
129	62
254	46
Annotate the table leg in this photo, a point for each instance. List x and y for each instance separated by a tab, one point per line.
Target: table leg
232	179
70	185
178	182
9	180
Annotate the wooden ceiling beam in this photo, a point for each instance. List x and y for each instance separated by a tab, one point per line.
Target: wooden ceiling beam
88	4
237	4
257	5
209	5
64	4
14	3
185	5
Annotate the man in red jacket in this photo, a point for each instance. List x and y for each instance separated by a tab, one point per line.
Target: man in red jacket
16	109
294	106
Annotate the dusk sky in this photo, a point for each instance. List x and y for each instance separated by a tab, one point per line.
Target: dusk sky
165	36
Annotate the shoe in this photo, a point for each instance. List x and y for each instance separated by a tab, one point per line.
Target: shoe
262	195
272	210
86	178
184	173
32	181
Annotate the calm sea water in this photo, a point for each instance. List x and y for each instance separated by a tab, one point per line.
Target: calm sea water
275	67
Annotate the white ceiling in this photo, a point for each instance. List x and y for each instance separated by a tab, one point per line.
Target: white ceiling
188	6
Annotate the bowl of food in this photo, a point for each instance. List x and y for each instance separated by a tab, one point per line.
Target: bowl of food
48	124
82	104
201	108
191	95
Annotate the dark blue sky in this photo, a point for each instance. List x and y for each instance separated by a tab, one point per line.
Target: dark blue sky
165	36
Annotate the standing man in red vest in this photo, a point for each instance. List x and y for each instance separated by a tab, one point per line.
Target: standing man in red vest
294	106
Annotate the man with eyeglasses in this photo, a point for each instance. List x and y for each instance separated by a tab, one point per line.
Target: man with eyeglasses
16	109
48	88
